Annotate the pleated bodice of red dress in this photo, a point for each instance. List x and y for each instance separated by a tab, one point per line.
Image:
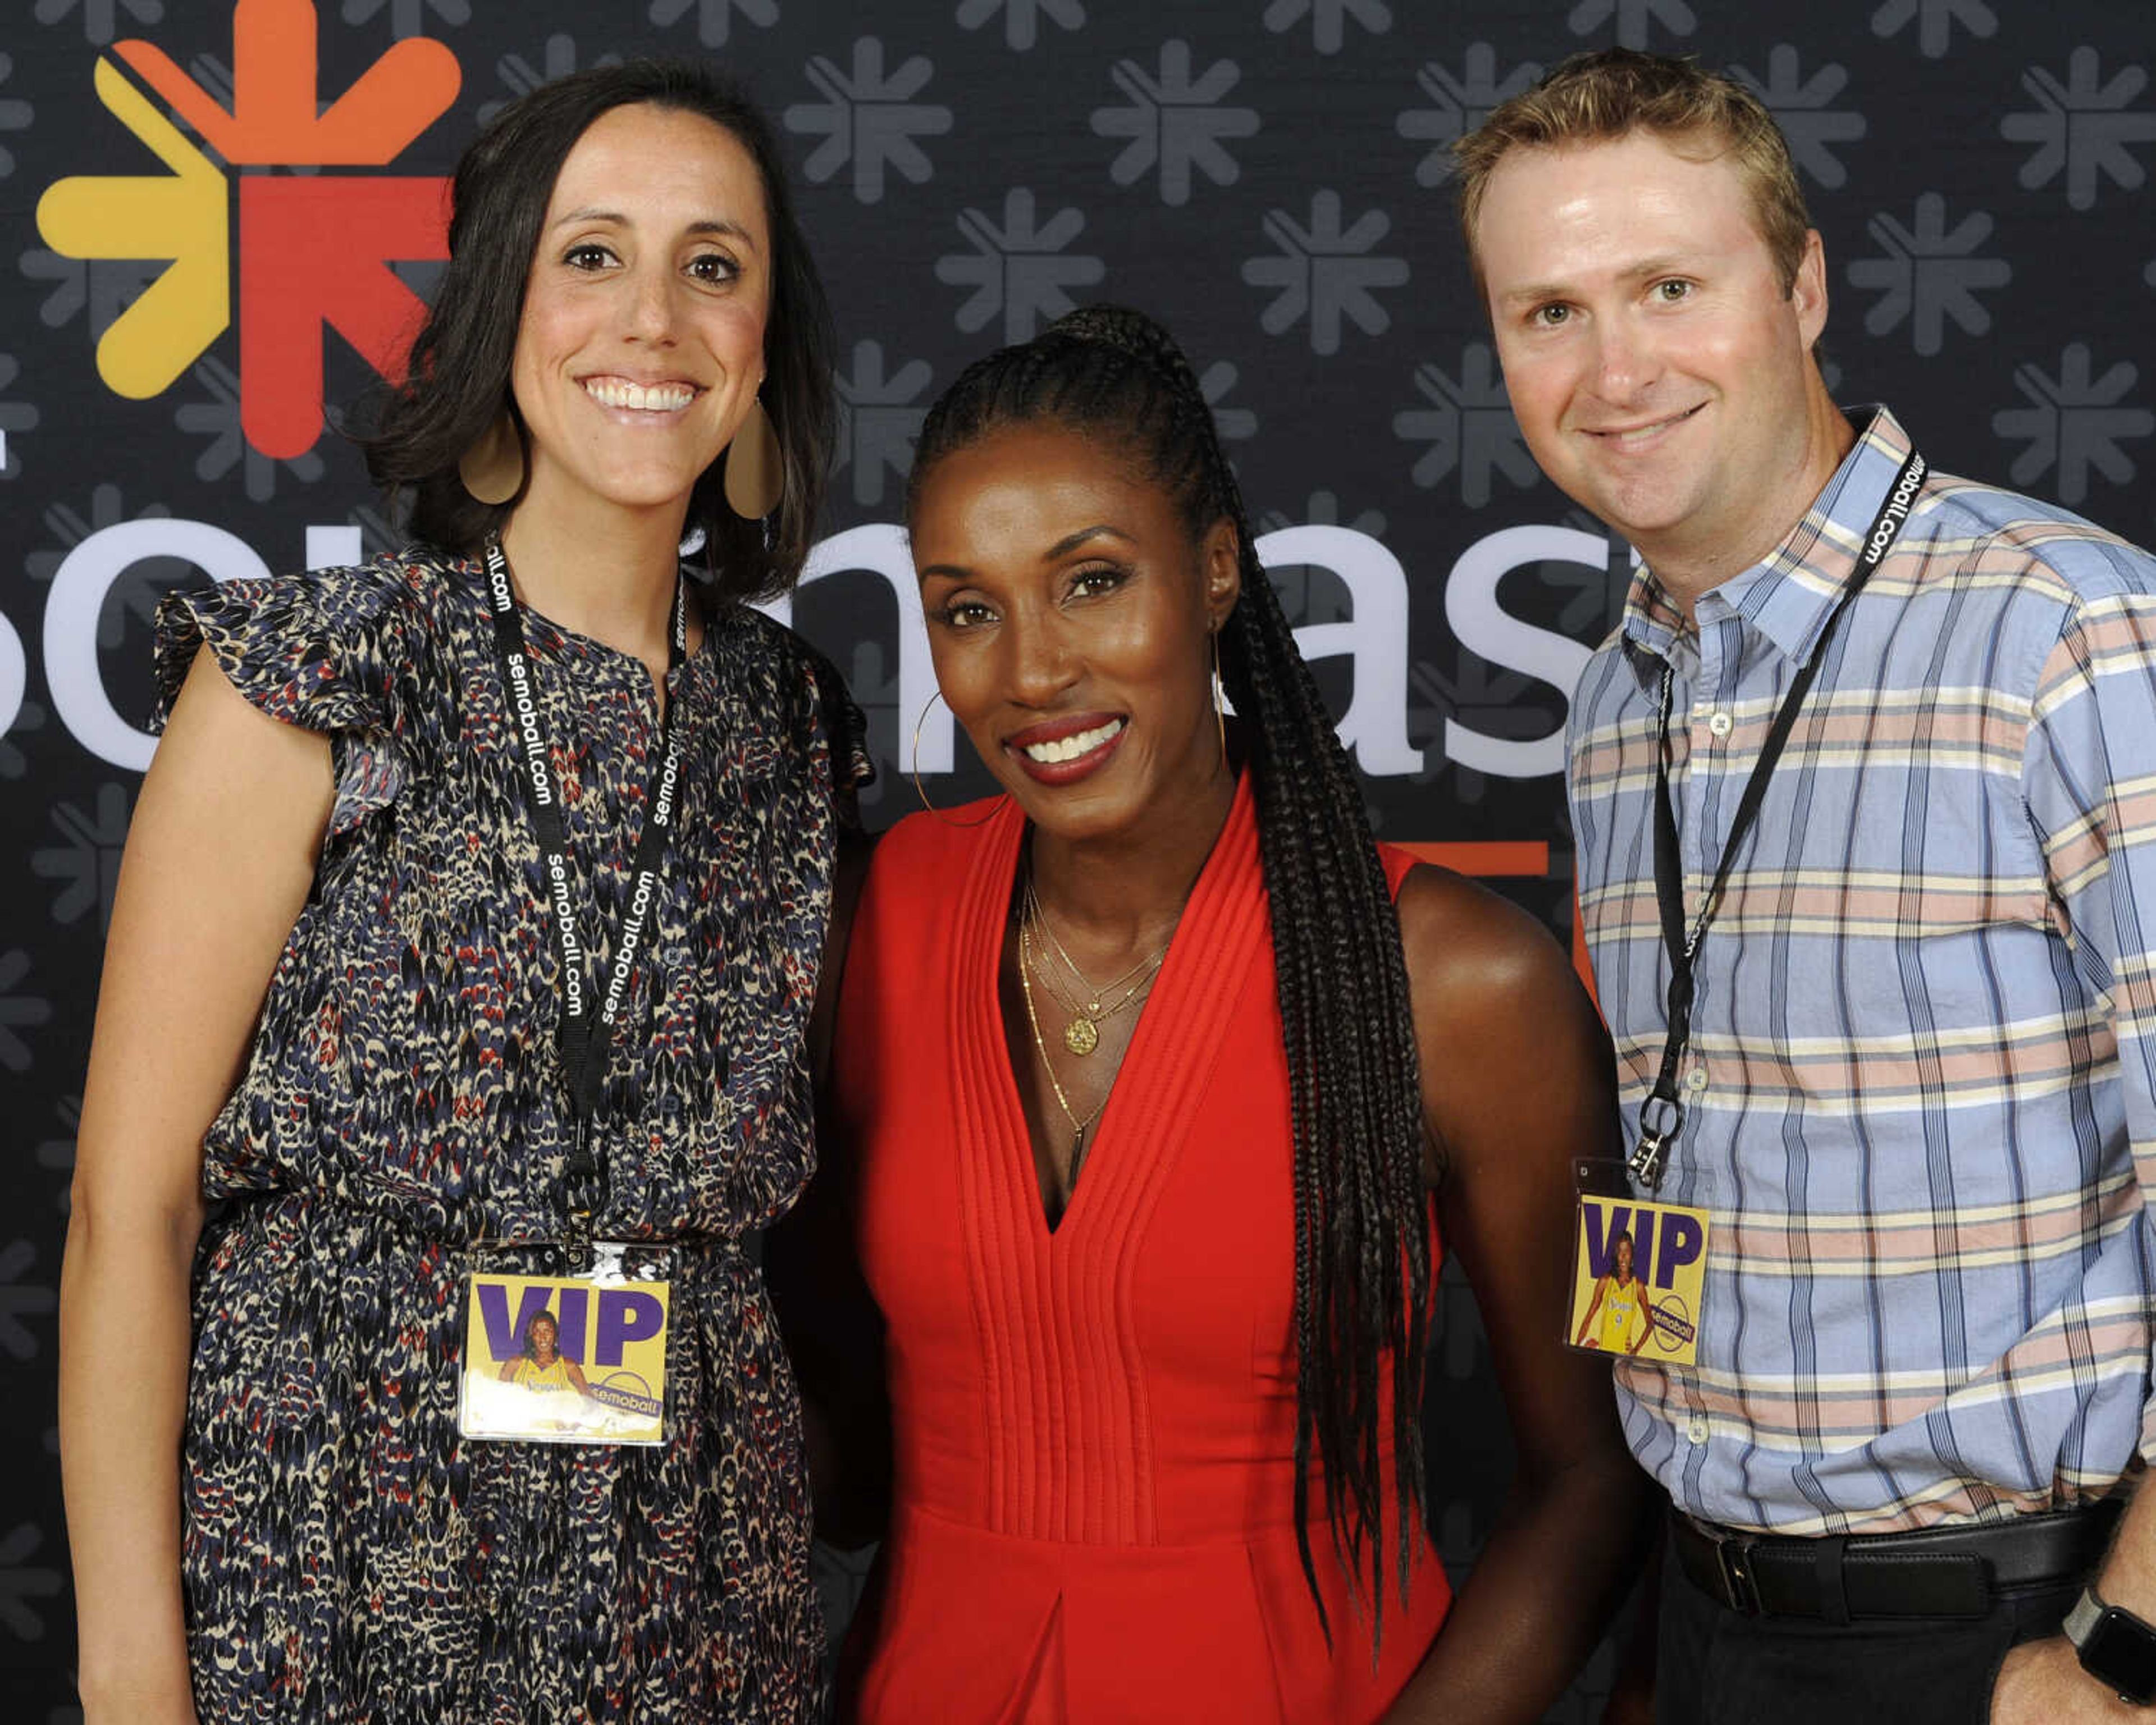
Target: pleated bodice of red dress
1094	1426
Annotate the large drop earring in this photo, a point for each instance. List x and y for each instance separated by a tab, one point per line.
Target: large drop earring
756	472
920	790
492	469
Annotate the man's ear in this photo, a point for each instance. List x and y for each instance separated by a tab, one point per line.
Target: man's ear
1808	288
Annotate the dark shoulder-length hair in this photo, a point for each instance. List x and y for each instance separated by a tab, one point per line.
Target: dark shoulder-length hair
1362	1264
456	381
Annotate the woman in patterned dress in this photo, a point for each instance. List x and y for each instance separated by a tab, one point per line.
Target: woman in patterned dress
326	1081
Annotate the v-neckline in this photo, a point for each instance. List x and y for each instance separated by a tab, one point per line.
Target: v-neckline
1020	1032
1178	973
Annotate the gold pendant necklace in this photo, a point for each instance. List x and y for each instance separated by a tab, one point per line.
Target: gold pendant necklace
1081	1030
1079	1127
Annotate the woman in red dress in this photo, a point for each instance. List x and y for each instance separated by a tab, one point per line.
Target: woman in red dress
1145	1074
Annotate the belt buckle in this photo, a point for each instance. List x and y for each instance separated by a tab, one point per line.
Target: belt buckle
1740	1592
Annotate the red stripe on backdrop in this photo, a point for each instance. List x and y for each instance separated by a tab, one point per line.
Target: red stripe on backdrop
1507	857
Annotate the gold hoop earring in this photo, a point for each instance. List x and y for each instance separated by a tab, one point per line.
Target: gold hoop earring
920	790
492	470
756	472
1219	691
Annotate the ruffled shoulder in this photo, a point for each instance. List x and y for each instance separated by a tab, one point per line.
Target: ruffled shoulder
362	655
329	650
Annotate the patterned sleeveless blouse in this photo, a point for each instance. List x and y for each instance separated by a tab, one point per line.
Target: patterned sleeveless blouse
400	1116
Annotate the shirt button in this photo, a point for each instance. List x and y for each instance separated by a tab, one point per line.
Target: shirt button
1722	724
1696	1080
1695	1431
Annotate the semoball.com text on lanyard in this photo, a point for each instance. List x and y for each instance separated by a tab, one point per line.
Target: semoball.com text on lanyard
581	1357
1661	1115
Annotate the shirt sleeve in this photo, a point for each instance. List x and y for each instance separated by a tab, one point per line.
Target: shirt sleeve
2089	782
333	651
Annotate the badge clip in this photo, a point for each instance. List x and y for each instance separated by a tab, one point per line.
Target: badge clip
1647	1157
584	1194
1652	1153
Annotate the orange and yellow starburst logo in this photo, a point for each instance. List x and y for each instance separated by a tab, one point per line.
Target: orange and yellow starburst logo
312	251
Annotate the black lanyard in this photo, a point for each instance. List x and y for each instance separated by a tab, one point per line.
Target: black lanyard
1662	1114
587	1037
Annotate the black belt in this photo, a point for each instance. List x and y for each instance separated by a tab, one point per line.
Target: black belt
1939	1572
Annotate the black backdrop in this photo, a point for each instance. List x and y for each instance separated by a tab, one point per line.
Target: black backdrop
1268	176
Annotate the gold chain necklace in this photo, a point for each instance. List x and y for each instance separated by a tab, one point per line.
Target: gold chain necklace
1079	1127
1033	907
1081	1032
1081	1029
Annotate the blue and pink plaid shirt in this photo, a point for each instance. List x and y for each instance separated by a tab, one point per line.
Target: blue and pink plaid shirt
1921	1091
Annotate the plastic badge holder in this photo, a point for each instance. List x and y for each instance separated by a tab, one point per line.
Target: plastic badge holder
1653	1314
603	1379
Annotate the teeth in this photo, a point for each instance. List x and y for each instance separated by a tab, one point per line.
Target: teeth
652	399
1069	749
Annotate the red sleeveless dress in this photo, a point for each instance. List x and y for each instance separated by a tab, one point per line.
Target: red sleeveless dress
1094	1427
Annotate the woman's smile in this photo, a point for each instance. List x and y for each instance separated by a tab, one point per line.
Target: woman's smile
1063	750
1070	610
628	394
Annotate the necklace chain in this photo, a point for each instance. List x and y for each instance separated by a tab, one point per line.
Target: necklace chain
1094	994
1079	1127
1081	1035
1082	1030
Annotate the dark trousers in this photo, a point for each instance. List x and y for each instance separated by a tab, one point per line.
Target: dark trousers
1714	1666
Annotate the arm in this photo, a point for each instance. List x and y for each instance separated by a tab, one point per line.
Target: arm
1594	1306
1518	1081
2091	748
2042	1682
219	860
577	1376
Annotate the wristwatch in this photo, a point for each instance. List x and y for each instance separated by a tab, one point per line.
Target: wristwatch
2116	1648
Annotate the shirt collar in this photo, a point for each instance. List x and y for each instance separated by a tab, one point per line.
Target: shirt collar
1789	595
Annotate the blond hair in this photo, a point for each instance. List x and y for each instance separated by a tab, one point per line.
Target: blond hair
1612	93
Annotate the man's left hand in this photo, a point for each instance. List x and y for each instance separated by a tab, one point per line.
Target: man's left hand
2042	1683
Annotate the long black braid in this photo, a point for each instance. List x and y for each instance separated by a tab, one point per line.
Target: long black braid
1362	1253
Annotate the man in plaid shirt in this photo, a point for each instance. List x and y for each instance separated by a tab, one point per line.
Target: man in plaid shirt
1910	1068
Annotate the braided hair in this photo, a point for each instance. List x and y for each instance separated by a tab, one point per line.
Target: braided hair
1361	1252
